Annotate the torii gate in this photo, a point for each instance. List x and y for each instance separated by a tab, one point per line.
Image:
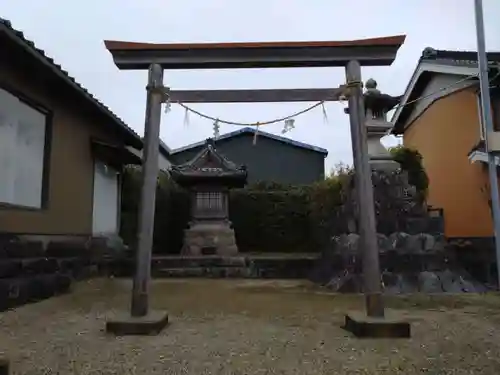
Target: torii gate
348	54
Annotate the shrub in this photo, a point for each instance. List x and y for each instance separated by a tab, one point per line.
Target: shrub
171	212
411	161
271	221
270	217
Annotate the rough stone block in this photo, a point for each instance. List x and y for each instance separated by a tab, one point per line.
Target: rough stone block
10	268
42	287
124	324
429	282
63	283
24	249
3	251
14	292
37	266
4	295
62	249
363	326
73	265
67	264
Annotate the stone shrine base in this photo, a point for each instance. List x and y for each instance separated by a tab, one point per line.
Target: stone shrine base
210	238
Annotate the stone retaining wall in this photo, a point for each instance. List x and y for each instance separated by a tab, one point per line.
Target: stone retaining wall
31	270
409	263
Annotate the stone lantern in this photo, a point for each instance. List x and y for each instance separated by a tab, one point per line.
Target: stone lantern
377	126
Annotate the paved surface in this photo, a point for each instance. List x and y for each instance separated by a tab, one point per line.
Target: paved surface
247	327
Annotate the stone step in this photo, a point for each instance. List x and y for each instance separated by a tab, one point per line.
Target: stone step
215	272
220	266
198	261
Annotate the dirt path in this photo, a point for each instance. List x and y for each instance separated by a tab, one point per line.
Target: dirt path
247	327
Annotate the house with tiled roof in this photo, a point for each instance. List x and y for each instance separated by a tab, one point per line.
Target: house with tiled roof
268	157
440	116
62	151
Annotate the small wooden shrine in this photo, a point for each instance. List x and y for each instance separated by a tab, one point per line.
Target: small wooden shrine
209	176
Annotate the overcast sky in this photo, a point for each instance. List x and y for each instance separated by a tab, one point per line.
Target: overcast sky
72	32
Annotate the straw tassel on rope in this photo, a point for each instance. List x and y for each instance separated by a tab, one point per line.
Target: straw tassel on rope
216	129
166	99
256	133
289	125
168	105
186	117
325	115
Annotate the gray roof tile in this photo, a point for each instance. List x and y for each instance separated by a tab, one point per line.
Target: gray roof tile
460	58
260	133
6	26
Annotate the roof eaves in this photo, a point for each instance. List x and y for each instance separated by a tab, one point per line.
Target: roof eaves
437	61
457	57
30	46
164	149
249	130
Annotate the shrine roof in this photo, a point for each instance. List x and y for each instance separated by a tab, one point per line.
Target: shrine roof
208	164
250	130
209	151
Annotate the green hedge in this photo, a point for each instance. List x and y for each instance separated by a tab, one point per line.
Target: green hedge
171	213
267	217
412	162
271	221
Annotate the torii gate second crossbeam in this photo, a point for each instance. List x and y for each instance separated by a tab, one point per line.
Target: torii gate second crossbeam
348	54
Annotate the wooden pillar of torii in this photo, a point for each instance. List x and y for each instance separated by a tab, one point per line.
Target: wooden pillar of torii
350	55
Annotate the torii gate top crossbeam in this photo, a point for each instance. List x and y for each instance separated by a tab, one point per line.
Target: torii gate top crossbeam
369	52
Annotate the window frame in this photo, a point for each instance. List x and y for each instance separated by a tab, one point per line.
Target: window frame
47	148
495	107
209	200
495	111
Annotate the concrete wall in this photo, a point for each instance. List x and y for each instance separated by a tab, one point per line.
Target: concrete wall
444	134
267	160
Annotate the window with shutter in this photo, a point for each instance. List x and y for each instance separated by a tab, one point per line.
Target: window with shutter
22	149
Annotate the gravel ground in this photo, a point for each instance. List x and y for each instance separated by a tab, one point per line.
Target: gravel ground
248	327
